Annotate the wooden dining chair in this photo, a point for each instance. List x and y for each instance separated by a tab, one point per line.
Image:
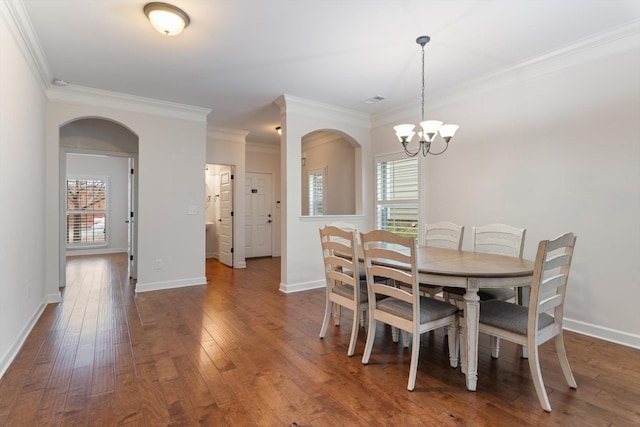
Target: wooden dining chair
499	239
343	285
443	234
393	257
532	326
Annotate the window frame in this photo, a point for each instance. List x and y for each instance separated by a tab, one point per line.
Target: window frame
105	212
411	203
322	172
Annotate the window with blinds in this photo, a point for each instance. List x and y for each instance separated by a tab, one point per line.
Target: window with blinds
316	192
86	212
397	196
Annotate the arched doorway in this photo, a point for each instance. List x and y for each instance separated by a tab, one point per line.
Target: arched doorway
98	189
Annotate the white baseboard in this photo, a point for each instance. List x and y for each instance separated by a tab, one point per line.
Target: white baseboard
53	298
600	332
299	287
6	360
157	286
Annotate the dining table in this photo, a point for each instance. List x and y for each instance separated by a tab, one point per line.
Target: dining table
471	271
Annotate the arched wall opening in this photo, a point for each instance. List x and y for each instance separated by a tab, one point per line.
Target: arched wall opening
329	160
104	152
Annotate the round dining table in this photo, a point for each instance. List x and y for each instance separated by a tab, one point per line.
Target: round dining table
471	271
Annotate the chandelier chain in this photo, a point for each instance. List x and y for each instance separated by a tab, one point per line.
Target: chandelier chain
422	82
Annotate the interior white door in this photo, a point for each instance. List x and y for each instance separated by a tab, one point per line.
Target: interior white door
225	222
258	219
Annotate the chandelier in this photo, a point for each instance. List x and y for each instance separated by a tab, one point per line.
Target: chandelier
430	128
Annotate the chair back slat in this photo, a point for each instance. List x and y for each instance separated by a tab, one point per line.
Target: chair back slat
552	283
392	258
444	234
391	291
549	303
340	255
499	239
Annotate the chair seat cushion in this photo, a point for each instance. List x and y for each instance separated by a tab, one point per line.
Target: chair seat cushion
347	291
430	309
511	317
486	294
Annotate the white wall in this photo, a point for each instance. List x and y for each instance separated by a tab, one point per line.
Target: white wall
554	147
22	176
172	141
261	158
301	264
116	170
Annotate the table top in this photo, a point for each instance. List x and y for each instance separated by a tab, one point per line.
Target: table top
452	262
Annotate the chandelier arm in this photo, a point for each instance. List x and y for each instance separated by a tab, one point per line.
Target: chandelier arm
409	153
437	154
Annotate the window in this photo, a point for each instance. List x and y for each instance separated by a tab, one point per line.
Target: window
86	211
397	196
317	183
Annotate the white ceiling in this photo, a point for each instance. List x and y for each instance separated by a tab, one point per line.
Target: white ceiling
237	56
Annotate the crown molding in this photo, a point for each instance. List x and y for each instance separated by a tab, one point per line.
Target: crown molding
255	147
15	15
294	105
602	45
225	134
81	95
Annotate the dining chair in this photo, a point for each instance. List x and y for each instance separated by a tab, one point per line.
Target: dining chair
343	284
393	257
498	239
532	326
443	234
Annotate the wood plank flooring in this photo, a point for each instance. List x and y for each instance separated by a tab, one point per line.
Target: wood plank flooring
238	352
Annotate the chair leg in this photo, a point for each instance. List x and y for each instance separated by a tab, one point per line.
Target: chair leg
564	361
371	336
363	318
495	347
337	313
355	325
327	316
405	338
536	376
454	344
463	345
394	334
415	354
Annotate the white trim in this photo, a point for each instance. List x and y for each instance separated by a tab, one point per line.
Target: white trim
172	284
53	298
304	286
13	351
603	333
81	95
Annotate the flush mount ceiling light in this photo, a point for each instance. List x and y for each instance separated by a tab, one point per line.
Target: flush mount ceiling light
167	19
430	128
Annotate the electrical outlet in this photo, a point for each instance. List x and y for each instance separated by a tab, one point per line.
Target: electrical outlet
158	264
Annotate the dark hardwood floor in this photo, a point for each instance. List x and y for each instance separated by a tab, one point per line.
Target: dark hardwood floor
238	352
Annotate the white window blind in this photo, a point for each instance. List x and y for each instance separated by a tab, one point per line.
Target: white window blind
86	211
316	192
397	196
